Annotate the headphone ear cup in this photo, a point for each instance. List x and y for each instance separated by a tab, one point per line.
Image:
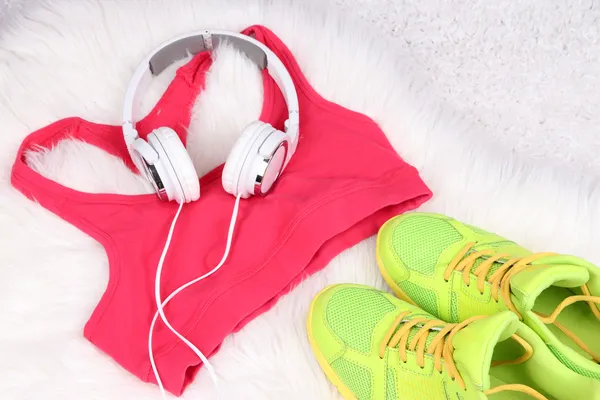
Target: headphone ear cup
231	176
175	166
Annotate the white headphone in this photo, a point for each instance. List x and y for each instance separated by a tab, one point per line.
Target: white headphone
257	158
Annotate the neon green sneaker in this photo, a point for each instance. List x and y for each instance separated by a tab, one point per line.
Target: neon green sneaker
455	271
372	345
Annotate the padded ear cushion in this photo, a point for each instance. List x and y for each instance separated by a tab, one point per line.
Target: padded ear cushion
237	157
179	161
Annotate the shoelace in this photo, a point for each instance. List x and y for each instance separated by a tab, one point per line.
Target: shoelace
441	348
500	283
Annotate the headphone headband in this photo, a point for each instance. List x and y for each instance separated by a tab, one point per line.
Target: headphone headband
193	43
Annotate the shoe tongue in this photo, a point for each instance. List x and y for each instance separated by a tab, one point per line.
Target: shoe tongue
527	285
417	329
474	345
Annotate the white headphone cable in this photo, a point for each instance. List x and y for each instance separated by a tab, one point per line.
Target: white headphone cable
160	305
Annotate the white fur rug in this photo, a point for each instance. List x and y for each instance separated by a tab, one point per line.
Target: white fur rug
74	58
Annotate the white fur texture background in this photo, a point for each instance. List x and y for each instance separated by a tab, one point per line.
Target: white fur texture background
461	96
526	70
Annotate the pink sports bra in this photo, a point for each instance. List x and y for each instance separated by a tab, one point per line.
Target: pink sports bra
344	181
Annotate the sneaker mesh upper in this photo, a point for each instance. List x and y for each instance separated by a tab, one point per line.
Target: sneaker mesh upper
425	298
353	313
357	378
419	241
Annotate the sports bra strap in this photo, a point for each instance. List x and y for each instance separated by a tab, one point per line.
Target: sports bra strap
173	110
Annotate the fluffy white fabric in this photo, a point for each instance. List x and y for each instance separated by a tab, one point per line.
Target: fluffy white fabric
74	58
528	71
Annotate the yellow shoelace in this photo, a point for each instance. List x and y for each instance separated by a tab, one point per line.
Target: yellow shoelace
500	282
441	348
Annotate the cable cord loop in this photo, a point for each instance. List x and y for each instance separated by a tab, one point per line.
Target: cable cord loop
161	304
